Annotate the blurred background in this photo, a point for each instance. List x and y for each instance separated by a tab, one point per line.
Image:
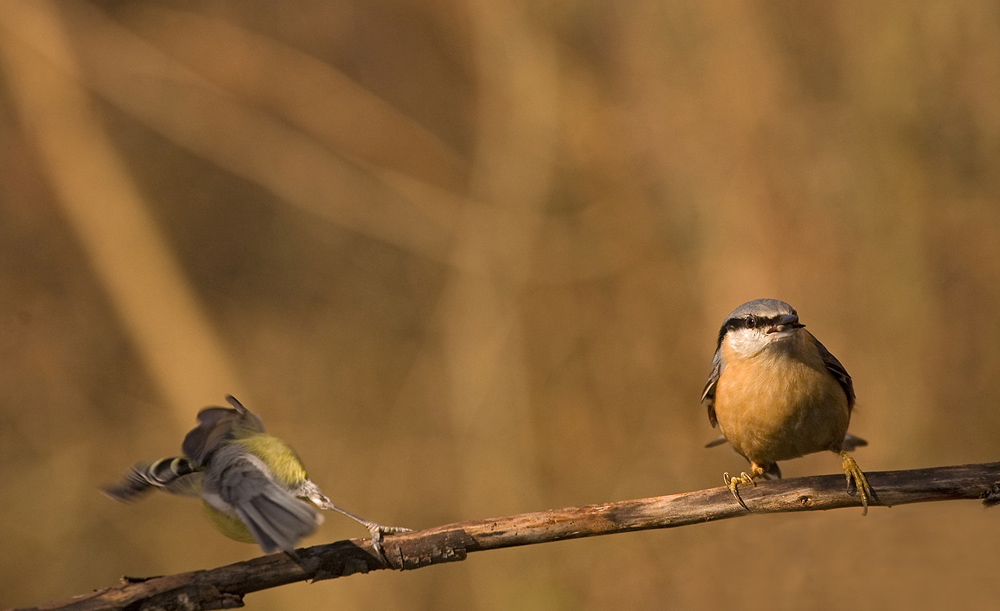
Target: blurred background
471	259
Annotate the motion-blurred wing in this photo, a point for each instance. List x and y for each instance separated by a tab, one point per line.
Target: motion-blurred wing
173	475
216	425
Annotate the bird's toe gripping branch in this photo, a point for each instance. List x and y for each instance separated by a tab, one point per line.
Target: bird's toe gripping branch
733	483
376	529
856	478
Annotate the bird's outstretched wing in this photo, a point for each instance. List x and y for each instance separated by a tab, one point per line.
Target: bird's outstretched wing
216	425
176	475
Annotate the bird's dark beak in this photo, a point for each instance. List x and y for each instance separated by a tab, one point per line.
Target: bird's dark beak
785	323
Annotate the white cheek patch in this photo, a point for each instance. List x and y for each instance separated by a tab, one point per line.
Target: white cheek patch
747	342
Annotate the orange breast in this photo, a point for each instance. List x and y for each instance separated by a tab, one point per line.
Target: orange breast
777	405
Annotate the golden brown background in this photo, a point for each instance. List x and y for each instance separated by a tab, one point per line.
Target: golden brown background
471	259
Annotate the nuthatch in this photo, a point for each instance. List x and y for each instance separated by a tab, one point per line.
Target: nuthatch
253	485
777	393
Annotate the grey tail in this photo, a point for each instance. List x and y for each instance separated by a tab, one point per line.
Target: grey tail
718	441
851	443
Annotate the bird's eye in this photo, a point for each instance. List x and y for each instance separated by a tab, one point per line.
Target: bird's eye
751	321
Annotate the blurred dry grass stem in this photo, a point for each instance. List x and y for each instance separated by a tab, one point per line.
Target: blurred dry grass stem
297	166
489	393
313	96
125	248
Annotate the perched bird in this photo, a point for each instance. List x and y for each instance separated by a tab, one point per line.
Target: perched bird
776	393
253	485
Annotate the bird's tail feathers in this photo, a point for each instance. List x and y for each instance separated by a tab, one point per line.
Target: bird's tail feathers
851	442
718	441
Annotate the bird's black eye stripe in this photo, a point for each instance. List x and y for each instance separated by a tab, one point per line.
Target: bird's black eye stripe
751	322
744	322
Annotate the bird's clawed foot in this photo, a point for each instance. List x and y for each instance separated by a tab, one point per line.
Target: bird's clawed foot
856	477
376	529
733	483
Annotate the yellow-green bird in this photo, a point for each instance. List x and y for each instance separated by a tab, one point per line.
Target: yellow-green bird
253	485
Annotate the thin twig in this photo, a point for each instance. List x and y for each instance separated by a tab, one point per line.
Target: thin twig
224	587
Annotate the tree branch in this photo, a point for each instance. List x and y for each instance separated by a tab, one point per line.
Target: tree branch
224	587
